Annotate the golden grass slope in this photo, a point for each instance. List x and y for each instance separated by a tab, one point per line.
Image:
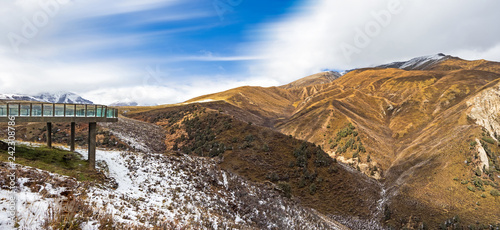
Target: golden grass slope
414	126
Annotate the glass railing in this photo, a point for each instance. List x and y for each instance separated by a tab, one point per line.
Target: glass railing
70	110
47	110
3	110
36	110
25	110
13	109
56	110
59	110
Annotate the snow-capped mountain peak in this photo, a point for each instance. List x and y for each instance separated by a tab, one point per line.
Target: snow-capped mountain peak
63	97
58	97
17	97
418	63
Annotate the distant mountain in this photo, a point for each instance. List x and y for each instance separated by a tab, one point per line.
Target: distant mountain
421	128
418	63
124	103
59	97
17	97
63	97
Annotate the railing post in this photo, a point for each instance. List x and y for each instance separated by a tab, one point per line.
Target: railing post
31	109
64	113
42	110
85	110
19	109
8	108
74	110
53	109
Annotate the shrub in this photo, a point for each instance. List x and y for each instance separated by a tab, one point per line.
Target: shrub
273	177
302	182
495	192
478	183
285	188
361	148
301	161
472	189
312	188
478	172
349	143
245	145
265	148
249	138
322	159
387	213
333	169
489	140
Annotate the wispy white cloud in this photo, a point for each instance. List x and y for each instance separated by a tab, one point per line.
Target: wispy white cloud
311	38
170	92
74	49
209	58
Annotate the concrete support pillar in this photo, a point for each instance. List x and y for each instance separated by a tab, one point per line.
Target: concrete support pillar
92	144
49	134
72	138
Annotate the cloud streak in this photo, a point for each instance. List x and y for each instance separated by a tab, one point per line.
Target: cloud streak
310	39
101	48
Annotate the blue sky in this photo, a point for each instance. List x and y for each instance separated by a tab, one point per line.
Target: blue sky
168	51
186	39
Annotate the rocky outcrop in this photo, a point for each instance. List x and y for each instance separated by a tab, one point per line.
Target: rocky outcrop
485	109
482	156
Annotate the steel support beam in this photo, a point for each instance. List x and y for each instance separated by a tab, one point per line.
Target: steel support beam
92	144
72	138
49	134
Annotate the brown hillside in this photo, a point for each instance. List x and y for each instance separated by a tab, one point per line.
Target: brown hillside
296	168
414	131
426	135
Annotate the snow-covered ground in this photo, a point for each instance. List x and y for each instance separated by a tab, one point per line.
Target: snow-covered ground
160	190
146	189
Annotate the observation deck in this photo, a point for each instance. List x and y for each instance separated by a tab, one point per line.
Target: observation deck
61	113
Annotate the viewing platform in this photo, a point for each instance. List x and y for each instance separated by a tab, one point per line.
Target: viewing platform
61	113
50	112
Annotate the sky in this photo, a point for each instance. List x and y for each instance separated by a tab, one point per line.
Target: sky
168	51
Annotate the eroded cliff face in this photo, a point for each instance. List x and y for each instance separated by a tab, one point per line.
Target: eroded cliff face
485	109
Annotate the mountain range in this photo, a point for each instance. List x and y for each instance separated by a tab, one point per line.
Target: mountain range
58	97
425	131
407	145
